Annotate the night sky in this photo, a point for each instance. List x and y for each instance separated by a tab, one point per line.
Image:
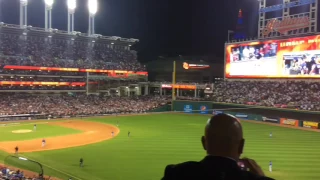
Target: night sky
164	27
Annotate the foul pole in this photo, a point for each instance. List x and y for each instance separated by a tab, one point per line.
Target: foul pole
173	84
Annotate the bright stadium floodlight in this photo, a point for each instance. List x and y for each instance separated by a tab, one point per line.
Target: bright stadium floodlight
49	2
93	6
72	4
23	13
48	14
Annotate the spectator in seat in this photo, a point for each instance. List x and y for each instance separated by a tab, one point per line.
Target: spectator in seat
223	142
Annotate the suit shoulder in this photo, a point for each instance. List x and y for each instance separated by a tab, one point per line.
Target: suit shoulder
181	170
184	165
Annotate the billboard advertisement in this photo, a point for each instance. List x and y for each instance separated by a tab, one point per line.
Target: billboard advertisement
215	112
242	116
187	108
203	110
270	119
290	122
286	58
309	124
179	86
187	66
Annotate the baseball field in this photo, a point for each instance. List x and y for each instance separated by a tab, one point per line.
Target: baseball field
155	141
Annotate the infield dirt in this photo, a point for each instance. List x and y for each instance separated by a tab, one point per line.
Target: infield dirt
93	132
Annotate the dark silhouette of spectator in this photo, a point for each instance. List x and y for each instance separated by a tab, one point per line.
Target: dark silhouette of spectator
223	142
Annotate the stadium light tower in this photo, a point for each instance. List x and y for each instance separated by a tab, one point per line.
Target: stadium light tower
72	4
93	8
48	12
23	13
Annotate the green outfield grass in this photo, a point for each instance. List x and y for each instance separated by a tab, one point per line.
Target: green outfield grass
43	130
158	140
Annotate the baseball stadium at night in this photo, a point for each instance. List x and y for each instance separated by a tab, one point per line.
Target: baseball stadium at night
145	90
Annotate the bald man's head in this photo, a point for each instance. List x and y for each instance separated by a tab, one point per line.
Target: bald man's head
223	136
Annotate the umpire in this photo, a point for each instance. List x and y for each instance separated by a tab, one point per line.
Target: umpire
223	141
81	162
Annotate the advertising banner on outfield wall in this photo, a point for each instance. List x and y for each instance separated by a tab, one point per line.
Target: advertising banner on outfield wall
270	119
291	122
242	116
309	124
203	109
215	112
187	108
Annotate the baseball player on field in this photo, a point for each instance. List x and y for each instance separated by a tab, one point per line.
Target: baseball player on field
34	127
112	134
43	142
16	149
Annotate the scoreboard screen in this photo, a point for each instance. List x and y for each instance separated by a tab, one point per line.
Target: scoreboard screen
285	58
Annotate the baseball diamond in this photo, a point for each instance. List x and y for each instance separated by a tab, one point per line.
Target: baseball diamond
91	133
168	138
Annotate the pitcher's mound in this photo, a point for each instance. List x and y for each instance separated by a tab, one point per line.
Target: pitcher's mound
20	131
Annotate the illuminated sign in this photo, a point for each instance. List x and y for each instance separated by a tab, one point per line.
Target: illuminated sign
288	58
166	86
32	83
194	66
113	73
179	86
286	24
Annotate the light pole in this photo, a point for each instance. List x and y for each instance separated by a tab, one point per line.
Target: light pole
23	13
93	8
48	12
72	4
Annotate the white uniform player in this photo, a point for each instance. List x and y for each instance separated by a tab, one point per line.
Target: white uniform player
270	166
34	127
112	134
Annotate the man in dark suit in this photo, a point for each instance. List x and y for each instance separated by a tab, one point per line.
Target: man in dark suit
223	141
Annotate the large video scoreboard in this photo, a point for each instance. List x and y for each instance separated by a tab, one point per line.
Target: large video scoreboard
285	58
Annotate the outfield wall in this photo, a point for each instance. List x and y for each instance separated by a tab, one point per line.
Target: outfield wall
307	119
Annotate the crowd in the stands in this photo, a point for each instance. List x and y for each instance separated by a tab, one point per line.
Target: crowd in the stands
39	51
76	104
304	95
